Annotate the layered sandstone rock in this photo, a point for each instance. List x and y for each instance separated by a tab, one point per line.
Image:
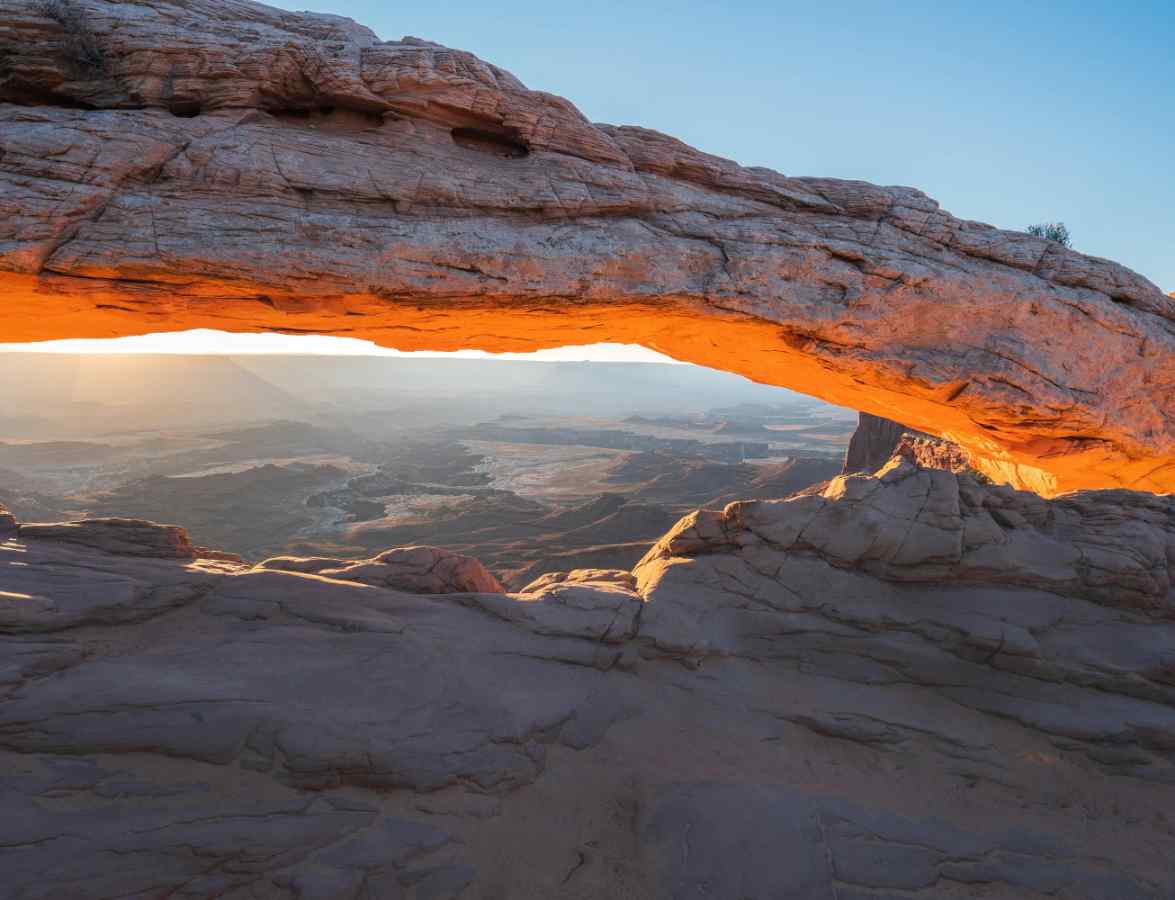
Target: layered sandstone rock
847	694
131	537
932	453
912	524
418	570
217	163
876	440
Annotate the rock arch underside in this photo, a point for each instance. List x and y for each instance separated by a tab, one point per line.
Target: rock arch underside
220	164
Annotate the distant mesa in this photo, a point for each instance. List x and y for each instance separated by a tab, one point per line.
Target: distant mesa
737	427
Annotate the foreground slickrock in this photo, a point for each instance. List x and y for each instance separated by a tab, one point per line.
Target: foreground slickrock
218	163
894	685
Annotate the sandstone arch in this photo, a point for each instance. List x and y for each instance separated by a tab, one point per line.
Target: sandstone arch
217	163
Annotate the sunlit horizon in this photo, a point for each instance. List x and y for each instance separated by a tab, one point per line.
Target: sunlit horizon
208	342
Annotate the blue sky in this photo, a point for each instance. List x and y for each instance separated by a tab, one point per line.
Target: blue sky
1009	113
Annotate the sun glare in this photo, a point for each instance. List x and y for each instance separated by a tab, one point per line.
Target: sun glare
205	341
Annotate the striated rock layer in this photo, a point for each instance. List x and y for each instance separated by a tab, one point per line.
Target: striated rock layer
217	163
418	570
893	685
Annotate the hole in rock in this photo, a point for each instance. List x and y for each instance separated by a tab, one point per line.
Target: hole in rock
184	109
267	445
492	142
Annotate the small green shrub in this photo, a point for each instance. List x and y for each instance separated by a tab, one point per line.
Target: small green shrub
1052	231
82	47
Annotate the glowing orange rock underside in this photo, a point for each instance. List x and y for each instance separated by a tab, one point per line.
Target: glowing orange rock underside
754	348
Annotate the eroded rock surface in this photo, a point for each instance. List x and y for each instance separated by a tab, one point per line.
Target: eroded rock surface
217	163
913	524
876	440
131	537
934	453
872	444
418	570
906	684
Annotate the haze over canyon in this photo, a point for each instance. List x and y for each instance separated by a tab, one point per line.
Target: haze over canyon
365	628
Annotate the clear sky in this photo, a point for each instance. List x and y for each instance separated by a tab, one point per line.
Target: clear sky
1006	112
